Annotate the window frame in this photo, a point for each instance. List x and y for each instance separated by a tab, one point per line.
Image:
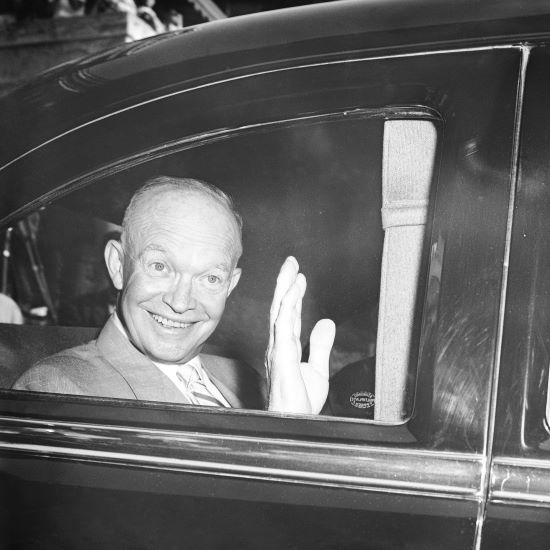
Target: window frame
252	423
392	433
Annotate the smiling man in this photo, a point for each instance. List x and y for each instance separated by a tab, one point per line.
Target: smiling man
174	268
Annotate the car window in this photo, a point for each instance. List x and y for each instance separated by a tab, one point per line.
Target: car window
347	196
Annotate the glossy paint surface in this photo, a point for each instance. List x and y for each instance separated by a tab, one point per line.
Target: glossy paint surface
519	508
156	475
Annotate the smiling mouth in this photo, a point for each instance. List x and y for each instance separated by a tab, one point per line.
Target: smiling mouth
168	323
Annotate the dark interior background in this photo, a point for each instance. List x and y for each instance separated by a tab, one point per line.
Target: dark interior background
308	190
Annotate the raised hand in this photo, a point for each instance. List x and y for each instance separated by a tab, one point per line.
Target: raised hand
296	387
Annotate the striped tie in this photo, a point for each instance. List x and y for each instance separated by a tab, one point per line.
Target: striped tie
199	394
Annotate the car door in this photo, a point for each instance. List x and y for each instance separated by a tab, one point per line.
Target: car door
518	512
84	472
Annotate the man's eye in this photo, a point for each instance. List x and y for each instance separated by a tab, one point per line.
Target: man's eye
158	267
213	279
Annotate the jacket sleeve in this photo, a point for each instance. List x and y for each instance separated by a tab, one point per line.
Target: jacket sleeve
50	375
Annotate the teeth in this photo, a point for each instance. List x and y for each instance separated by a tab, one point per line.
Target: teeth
168	322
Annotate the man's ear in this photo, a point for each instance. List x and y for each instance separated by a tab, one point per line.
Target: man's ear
235	276
114	260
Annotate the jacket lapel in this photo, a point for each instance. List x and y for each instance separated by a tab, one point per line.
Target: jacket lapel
232	398
240	386
146	381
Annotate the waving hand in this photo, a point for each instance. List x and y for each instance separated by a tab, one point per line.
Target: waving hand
294	386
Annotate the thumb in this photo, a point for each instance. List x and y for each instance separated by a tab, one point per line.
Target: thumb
320	344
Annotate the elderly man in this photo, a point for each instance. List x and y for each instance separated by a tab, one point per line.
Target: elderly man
174	267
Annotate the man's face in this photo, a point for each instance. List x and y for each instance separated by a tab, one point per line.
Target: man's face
177	275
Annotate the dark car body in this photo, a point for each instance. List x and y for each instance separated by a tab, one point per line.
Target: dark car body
468	466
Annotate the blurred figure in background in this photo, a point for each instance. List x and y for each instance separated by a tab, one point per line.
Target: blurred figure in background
10	311
106	6
174	20
147	13
70	8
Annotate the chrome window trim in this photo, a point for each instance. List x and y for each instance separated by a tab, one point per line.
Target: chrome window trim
521	480
381	469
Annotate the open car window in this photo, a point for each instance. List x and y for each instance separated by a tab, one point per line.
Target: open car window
347	196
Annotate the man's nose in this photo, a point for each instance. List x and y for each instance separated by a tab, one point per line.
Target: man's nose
180	296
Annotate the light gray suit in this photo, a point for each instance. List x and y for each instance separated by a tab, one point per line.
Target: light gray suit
111	366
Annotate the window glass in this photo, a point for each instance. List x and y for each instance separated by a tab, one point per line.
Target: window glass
312	190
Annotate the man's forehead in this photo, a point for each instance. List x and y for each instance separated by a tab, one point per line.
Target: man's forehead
183	214
184	235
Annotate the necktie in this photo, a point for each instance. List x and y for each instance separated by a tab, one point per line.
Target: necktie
199	393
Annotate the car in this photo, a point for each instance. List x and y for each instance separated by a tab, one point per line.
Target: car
400	151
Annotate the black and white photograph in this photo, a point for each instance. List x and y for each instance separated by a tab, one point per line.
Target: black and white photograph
272	275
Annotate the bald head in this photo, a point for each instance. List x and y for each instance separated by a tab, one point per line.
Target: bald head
148	201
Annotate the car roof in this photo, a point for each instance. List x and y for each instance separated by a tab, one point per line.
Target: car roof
390	22
86	91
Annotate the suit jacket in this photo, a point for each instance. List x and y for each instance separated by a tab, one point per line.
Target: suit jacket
111	366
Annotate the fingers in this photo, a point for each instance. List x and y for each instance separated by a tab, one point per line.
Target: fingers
286	278
287	321
286	312
301	285
320	344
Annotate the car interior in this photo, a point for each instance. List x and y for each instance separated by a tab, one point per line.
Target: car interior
348	197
